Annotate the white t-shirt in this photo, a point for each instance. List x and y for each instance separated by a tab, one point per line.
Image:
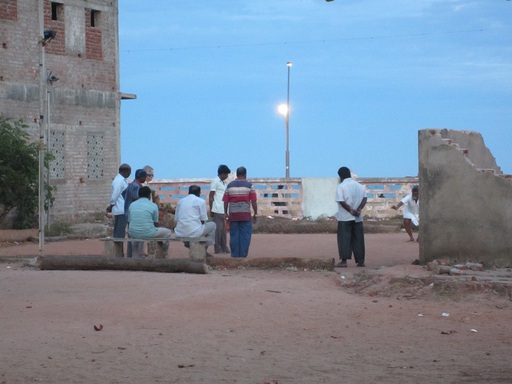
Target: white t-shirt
412	209
353	193
119	184
190	211
219	187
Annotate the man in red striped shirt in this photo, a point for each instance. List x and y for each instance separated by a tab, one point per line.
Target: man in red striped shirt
238	198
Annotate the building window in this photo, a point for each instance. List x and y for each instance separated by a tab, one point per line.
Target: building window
57	11
57	147
95	18
95	155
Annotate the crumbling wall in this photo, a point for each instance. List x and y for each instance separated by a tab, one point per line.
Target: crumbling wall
465	200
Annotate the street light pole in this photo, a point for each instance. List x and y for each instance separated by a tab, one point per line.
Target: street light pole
289	65
42	94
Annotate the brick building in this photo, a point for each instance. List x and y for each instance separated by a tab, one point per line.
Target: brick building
72	82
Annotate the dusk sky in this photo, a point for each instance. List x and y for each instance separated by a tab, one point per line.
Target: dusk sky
366	76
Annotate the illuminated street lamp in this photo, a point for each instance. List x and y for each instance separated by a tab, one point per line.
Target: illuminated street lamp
284	109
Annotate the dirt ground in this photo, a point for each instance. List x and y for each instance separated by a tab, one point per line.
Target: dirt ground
247	326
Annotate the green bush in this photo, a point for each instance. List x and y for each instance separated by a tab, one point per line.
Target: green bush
19	174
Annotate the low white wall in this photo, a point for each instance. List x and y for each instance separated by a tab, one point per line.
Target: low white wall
318	196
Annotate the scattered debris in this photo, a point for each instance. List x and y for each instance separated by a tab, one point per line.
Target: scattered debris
98	328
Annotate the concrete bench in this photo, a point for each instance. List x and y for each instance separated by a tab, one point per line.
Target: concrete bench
114	246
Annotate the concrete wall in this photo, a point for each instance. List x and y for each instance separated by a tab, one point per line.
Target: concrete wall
318	197
466	204
311	198
82	107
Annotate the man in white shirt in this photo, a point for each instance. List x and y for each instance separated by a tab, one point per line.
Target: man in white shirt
411	212
116	207
191	217
217	189
351	199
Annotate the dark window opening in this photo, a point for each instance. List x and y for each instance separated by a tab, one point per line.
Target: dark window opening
57	11
95	18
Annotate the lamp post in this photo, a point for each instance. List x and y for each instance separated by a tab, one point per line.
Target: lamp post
42	94
45	36
284	109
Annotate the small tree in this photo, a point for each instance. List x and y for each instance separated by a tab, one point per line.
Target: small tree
19	173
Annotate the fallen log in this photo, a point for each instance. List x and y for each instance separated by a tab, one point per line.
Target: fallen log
271	263
94	263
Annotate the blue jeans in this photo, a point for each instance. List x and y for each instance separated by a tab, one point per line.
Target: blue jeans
240	237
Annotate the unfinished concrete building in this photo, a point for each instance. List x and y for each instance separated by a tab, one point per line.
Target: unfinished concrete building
466	200
59	72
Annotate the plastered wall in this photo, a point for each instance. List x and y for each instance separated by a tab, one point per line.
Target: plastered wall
466	201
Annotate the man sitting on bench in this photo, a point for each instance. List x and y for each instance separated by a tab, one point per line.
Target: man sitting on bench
191	218
143	220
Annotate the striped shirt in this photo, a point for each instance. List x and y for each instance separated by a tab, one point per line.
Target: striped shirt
239	194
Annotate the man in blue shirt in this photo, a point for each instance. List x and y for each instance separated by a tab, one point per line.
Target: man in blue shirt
143	219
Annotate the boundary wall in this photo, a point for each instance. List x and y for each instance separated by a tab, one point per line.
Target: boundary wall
311	198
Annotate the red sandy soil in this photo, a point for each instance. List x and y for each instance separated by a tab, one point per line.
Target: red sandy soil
245	326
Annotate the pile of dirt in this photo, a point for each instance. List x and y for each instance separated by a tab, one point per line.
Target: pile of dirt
270	224
404	282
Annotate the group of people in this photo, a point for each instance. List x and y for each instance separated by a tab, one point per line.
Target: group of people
230	204
351	198
230	208
132	206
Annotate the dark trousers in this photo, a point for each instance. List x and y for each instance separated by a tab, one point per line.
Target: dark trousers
240	233
119	231
351	240
220	233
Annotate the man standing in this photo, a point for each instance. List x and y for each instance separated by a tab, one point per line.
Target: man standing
238	198
150	174
132	194
116	207
217	189
143	218
191	217
351	199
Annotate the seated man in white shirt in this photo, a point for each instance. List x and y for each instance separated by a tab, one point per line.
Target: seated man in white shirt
191	217
143	219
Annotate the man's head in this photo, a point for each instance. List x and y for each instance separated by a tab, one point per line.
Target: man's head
344	173
223	172
125	170
150	173
241	172
140	175
145	192
194	190
415	191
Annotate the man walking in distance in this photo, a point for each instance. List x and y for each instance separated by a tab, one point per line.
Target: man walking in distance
351	199
191	217
238	198
143	217
217	189
116	207
132	194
